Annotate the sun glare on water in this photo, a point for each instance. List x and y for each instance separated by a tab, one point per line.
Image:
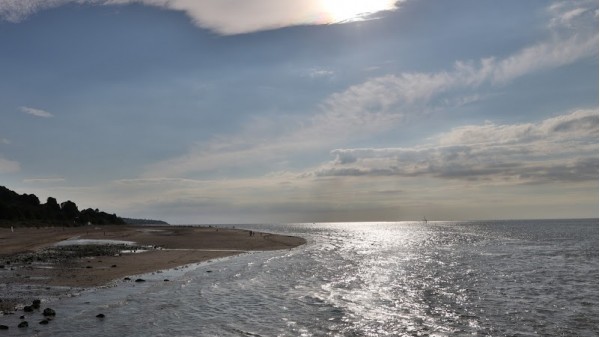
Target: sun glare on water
353	10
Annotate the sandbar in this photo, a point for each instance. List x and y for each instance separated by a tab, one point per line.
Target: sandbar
22	259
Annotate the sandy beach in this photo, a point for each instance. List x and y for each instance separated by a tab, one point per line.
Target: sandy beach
24	259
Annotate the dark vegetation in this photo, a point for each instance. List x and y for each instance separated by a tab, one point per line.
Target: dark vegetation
130	221
26	209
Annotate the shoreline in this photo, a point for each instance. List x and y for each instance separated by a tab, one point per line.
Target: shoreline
31	261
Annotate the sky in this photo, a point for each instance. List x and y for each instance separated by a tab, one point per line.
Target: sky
253	111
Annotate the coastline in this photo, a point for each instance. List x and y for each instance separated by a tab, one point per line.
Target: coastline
29	260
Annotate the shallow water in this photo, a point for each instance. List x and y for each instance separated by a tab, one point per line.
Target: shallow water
79	242
502	278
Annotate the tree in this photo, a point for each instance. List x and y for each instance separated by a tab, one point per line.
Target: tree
52	209
69	210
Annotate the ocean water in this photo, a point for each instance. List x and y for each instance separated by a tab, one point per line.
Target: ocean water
494	278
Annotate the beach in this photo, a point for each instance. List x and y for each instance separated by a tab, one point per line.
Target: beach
30	256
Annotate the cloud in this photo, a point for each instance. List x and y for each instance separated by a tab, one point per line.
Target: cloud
227	16
48	180
398	95
36	112
17	10
375	106
570	14
320	73
562	148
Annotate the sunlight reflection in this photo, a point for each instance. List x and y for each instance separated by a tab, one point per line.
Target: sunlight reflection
353	10
388	278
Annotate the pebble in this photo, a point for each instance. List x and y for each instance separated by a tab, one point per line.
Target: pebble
49	312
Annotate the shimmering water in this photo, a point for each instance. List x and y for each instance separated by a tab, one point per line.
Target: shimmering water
502	278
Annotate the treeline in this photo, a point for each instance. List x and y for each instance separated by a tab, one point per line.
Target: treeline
26	208
131	221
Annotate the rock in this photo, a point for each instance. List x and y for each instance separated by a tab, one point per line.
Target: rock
127	279
49	312
140	280
166	280
209	271
3	327
21	317
100	316
23	324
44	322
28	308
36	304
114	266
88	267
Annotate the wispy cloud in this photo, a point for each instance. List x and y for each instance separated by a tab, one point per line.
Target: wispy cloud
36	112
375	106
562	148
228	17
320	73
44	180
397	96
570	14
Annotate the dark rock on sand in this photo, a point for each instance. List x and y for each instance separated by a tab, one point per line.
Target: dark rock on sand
28	308
23	324
3	327
127	279
36	304
49	312
140	280
44	322
21	317
100	316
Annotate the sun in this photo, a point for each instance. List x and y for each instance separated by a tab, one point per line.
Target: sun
353	10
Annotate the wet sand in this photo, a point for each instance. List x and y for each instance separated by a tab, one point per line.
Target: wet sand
166	247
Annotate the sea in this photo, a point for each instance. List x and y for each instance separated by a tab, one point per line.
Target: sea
440	278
